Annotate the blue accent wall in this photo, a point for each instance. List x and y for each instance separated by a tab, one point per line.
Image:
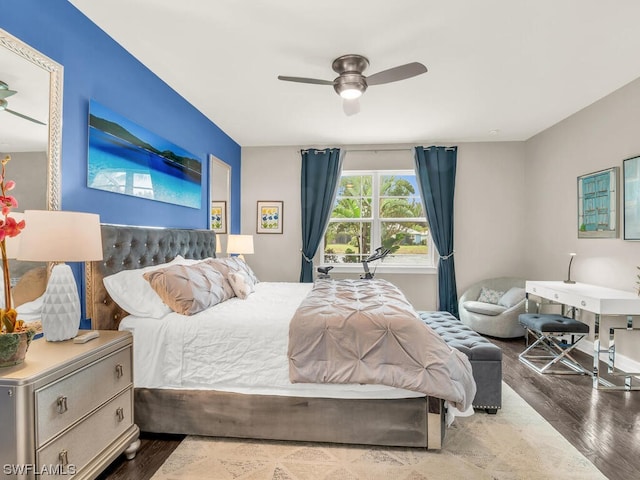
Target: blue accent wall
96	67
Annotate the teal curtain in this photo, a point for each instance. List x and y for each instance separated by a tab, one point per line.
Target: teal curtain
320	177
436	172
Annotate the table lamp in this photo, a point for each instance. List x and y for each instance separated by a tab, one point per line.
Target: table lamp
60	236
568	280
240	244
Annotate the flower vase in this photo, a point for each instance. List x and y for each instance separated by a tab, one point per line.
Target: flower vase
13	347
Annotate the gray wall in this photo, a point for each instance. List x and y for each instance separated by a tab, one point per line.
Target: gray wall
489	206
28	170
598	137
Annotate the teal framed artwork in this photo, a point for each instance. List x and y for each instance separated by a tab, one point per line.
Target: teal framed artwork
598	204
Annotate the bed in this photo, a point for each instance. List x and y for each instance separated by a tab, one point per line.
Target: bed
348	416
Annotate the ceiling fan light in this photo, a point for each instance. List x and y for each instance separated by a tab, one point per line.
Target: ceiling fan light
350	86
350	93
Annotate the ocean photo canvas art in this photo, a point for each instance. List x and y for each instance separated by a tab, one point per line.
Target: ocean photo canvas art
128	159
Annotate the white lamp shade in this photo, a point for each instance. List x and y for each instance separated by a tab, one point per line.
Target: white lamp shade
13	243
240	244
60	236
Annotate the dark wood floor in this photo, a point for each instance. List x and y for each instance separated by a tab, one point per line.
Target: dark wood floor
604	426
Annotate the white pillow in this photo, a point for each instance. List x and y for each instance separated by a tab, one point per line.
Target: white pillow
32	310
242	265
242	284
134	294
513	296
483	308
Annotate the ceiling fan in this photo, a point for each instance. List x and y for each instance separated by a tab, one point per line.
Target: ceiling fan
4	93
350	83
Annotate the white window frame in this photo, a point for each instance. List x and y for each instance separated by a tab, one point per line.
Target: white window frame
380	266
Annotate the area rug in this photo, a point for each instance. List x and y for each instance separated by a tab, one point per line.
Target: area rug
515	444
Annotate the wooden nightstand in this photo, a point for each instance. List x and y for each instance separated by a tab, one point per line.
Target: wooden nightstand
68	409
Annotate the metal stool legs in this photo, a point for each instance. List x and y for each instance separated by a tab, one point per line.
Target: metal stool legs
557	353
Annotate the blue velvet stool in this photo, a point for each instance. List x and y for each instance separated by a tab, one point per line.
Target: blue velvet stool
550	332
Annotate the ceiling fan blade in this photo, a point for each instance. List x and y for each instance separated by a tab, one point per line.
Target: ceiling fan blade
24	116
4	90
4	93
314	81
351	106
397	73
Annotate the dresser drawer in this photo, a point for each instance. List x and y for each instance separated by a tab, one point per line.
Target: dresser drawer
66	401
81	444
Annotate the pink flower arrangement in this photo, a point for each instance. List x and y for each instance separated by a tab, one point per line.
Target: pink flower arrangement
8	228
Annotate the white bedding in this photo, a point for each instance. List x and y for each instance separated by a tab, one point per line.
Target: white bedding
236	346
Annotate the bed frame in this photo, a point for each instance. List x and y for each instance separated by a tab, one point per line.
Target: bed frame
410	422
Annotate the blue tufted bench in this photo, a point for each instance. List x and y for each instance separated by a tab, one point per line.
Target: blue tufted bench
484	356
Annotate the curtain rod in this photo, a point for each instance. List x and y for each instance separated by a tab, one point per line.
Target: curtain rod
379	149
375	150
361	149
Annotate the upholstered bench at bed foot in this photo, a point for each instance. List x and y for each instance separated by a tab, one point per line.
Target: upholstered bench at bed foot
484	356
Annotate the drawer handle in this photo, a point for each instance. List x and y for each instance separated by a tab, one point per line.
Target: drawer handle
555	295
119	371
64	458
120	414
583	303
62	404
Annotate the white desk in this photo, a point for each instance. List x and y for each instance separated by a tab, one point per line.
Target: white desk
599	301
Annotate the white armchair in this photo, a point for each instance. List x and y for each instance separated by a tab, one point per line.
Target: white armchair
498	319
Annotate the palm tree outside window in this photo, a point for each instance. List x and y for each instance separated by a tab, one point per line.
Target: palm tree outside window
378	208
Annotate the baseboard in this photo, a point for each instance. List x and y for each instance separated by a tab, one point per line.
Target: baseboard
622	362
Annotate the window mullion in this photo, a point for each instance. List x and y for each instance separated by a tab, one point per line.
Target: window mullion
376	231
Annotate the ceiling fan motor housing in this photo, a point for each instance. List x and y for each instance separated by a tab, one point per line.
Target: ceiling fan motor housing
350	63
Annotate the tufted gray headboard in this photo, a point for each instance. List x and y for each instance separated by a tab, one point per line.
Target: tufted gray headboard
127	248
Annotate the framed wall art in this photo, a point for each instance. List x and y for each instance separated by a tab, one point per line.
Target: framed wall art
269	216
129	159
631	174
598	204
218	216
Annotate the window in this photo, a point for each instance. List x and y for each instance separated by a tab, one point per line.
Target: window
378	208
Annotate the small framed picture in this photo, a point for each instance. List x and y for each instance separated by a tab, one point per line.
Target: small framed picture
269	216
598	204
219	216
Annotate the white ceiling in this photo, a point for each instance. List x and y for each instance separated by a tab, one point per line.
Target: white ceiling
514	67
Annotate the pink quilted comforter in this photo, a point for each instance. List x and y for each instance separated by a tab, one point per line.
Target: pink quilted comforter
365	331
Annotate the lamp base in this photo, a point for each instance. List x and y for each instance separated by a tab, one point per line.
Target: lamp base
61	305
569	281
